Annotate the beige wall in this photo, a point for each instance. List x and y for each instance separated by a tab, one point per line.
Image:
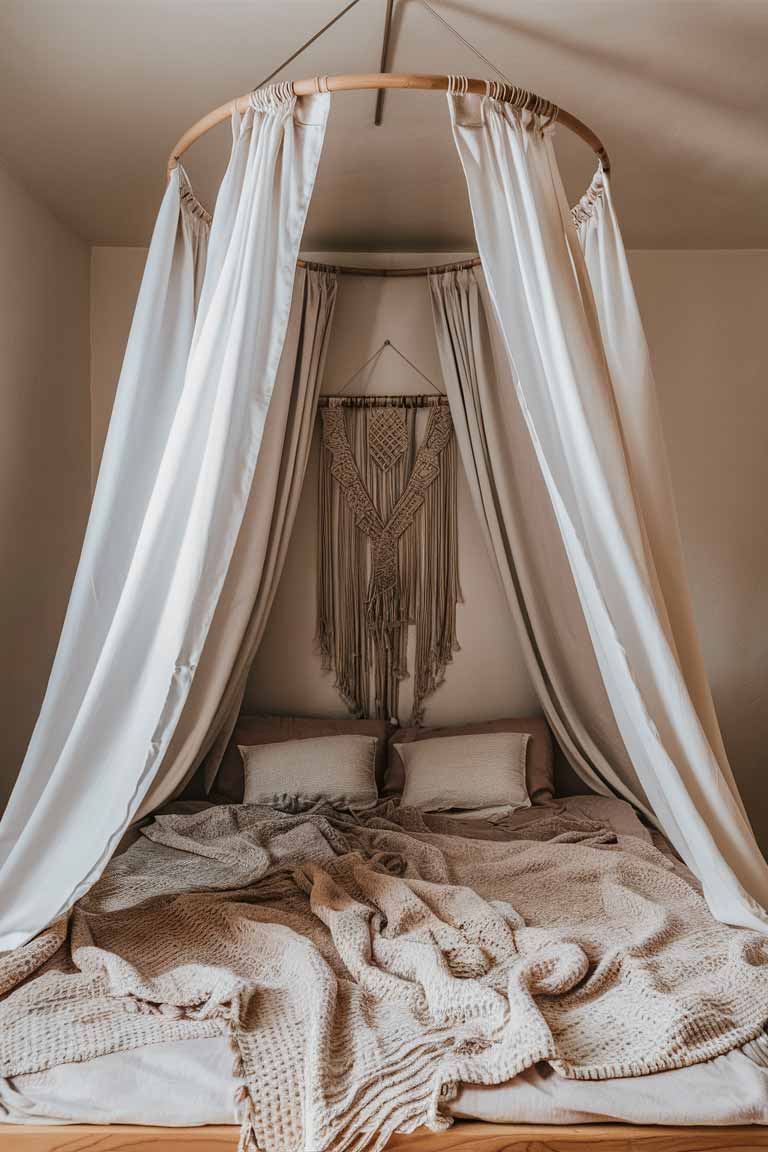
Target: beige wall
705	317
44	451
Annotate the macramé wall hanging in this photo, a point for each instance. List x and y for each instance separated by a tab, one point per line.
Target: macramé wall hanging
388	548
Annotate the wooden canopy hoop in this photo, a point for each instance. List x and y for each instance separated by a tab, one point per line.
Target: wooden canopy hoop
379	80
354	82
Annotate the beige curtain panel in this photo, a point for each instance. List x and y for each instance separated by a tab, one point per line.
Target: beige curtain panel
514	508
246	600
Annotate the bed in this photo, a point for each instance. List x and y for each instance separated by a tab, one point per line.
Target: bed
179	1092
463	1137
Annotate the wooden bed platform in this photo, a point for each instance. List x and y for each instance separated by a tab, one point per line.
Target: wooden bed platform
465	1136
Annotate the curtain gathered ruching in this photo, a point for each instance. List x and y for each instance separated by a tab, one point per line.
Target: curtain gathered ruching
175	480
562	367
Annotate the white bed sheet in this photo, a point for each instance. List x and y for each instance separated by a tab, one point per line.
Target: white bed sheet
191	1083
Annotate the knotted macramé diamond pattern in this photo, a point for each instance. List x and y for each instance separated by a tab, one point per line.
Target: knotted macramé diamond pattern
387	436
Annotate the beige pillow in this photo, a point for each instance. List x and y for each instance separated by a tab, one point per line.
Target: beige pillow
298	773
253	730
480	776
539	769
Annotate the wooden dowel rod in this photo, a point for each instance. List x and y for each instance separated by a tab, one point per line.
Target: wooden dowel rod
353	270
362	82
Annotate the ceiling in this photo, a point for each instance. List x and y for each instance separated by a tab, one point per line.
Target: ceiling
95	92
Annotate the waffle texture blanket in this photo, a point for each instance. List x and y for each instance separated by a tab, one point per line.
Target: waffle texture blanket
364	970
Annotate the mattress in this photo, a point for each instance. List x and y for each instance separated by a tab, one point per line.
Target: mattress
190	1082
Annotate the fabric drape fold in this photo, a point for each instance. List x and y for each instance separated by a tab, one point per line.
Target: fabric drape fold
637	410
521	531
175	480
543	303
213	704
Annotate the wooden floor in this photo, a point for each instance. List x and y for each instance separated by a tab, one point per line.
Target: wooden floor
463	1137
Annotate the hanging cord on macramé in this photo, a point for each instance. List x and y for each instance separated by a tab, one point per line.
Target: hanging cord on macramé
388	549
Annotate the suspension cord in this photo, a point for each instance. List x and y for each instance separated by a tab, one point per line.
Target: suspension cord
307	43
466	43
425	4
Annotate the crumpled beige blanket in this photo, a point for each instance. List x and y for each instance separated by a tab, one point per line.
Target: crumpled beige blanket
365	969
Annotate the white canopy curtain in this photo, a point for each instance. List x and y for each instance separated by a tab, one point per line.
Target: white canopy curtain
634	390
543	303
174	484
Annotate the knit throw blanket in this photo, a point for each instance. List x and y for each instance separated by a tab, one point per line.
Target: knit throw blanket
363	970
